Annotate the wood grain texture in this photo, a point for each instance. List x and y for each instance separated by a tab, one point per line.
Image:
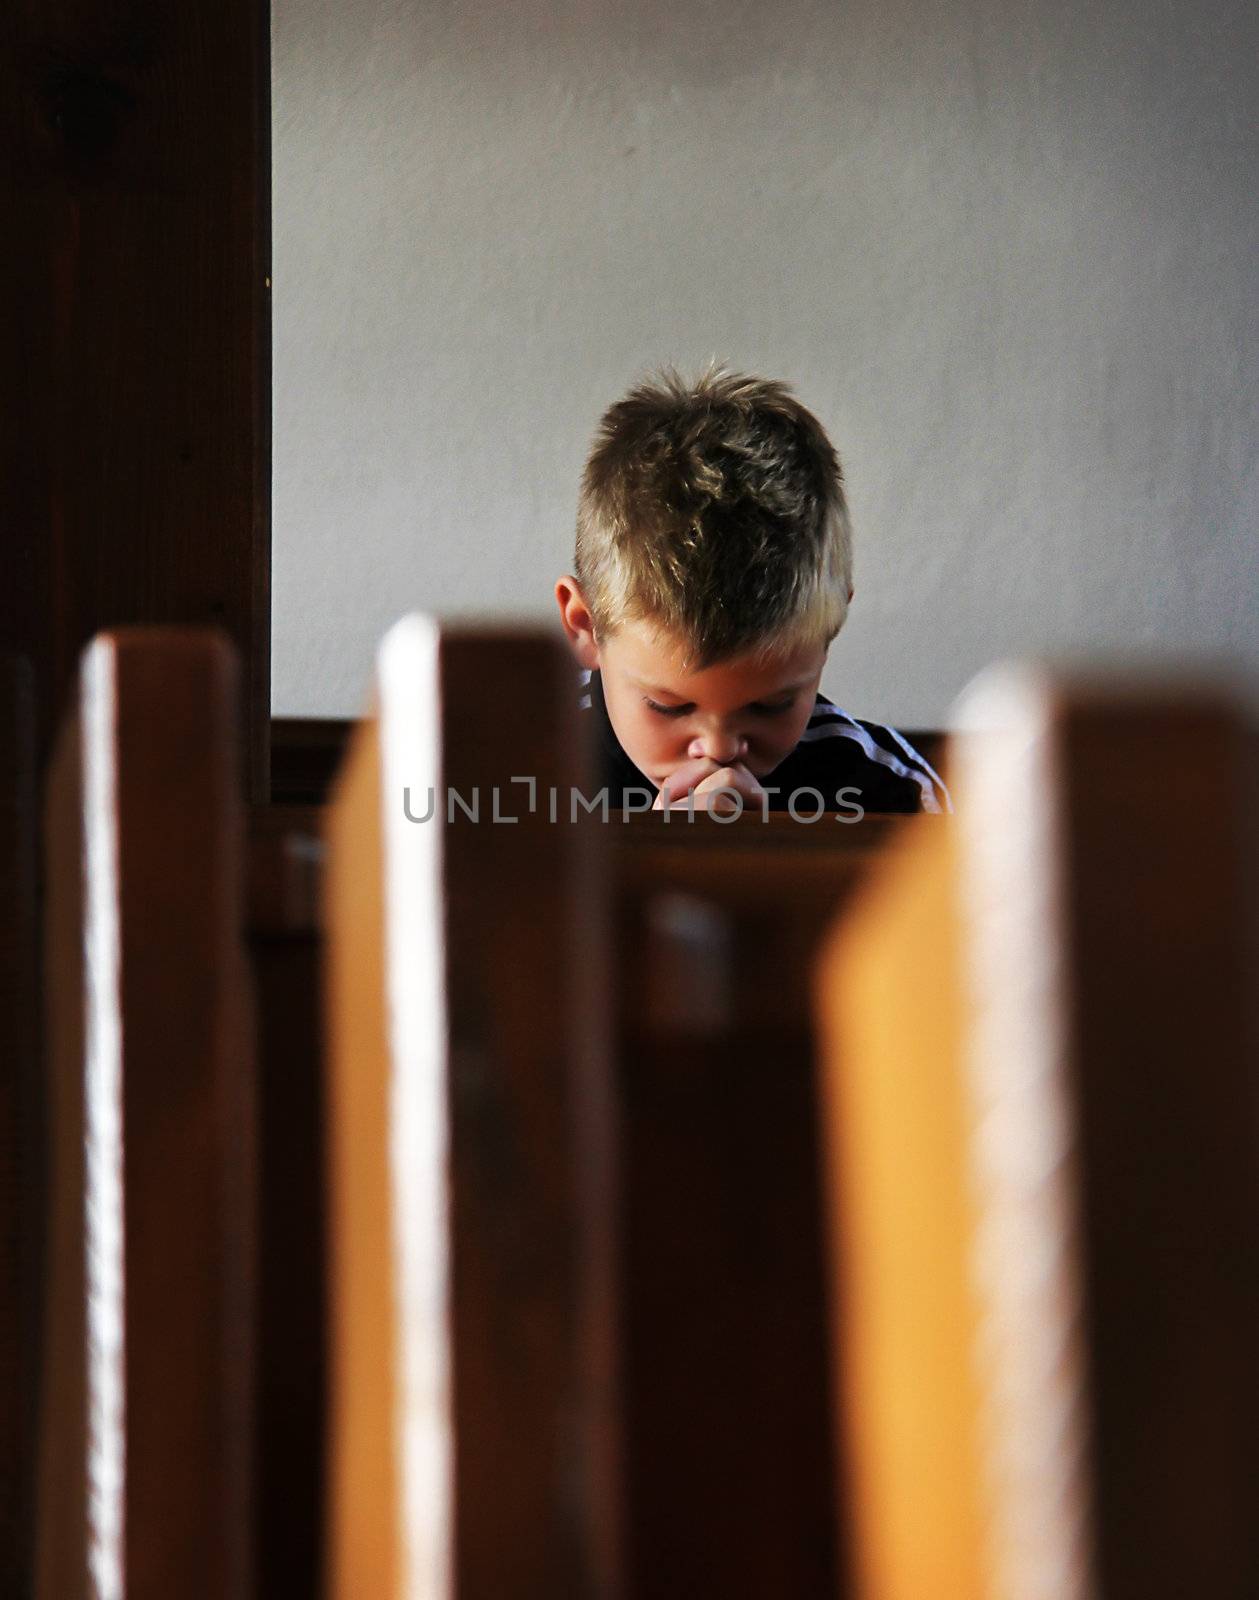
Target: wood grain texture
1164	983
135	352
20	1123
472	1441
147	1394
1040	1052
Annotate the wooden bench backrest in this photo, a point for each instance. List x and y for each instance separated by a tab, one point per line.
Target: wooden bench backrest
729	1470
144	1467
470	1443
578	1273
1041	1124
575	1061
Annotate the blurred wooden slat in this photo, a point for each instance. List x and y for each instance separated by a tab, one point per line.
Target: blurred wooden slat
1040	1078
471	1443
909	1392
286	953
146	1399
20	1144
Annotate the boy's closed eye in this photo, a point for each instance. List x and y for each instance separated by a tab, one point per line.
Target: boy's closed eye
680	711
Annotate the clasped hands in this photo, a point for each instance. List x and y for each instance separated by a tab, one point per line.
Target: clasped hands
699	783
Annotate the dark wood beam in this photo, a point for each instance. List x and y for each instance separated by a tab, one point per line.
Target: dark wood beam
135	354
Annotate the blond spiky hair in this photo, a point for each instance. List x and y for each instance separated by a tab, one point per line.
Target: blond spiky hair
715	509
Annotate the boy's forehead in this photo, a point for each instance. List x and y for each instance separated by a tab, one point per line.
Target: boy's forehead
657	663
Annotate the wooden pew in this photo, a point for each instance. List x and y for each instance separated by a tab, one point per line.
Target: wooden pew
144	1471
471	1429
1040	1056
622	1116
609	1268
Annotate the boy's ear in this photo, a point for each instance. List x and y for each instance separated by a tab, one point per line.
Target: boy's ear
578	623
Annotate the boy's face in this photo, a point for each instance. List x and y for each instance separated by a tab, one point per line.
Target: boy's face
739	710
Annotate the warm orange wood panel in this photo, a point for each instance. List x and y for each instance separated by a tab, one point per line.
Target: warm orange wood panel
895	1109
366	1518
1038	1091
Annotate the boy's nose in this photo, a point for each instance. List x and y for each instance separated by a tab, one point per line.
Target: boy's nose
722	748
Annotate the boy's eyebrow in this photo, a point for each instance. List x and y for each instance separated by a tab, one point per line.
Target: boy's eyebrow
788	688
672	694
656	693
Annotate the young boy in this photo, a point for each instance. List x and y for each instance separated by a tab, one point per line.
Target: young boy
712	570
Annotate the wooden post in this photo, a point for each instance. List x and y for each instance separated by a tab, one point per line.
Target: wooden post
135	343
472	1434
1041	1042
146	1380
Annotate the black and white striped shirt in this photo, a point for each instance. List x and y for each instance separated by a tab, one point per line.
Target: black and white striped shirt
847	761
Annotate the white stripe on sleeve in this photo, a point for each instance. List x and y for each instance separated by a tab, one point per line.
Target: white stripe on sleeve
850	728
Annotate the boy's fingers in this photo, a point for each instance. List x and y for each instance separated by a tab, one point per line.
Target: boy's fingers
683	779
701	779
714	793
736	777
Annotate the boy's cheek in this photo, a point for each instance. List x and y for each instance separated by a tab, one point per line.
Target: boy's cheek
647	745
660	755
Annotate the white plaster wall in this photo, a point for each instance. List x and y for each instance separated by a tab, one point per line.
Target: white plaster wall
1006	250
